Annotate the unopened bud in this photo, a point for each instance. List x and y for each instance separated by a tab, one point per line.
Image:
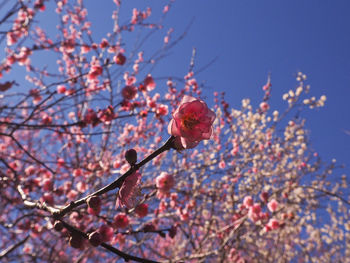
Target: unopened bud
95	239
76	241
131	156
94	202
58	226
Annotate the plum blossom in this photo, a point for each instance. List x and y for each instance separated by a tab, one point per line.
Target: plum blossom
129	92
272	224
248	201
254	212
129	191
192	122
264	106
272	205
141	210
264	196
61	89
149	83
164	183
121	220
106	233
119	59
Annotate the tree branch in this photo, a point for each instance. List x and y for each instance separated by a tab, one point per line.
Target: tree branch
118	183
5	252
114	250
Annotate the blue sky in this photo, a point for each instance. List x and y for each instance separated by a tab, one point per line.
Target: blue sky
252	38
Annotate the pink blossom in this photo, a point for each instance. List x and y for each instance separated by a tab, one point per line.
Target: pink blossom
129	191
119	239
254	212
61	89
256	208
82	186
273	224
85	49
48	198
106	233
141	210
272	205
106	115
248	201
149	82
121	220
93	211
192	122
164	183
104	43
222	164
27	248
162	110
166	9
77	172
30	170
119	59
94	72
264	106
91	117
129	80
72	194
183	214
135	16
264	196
129	92
47	184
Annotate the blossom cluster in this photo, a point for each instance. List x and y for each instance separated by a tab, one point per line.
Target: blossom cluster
101	153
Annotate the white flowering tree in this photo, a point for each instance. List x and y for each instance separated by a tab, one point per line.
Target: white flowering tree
100	164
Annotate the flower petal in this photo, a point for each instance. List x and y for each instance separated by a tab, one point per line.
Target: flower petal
186	99
187	144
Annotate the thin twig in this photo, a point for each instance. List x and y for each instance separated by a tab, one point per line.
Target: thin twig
5	252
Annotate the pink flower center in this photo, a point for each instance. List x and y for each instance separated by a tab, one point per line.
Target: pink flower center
189	121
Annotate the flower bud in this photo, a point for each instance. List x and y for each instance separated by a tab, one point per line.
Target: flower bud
131	156
94	202
149	228
76	241
172	232
58	226
95	239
